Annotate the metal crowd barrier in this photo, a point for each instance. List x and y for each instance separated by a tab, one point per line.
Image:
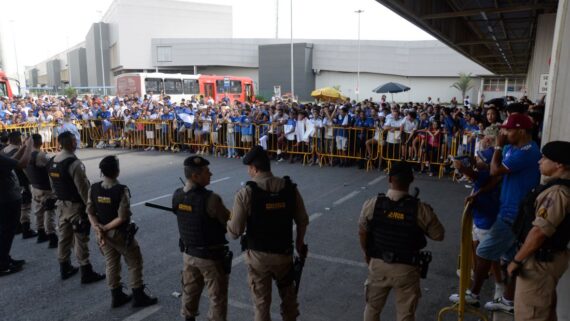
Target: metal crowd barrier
465	266
46	130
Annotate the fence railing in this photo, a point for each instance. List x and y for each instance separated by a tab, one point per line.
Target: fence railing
330	145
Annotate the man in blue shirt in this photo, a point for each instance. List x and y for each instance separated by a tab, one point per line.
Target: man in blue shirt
517	163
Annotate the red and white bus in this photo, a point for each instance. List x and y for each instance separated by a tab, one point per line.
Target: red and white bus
5	89
179	86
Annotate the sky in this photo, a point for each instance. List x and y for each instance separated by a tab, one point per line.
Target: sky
38	29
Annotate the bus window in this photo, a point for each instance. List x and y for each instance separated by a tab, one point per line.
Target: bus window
154	85
235	87
191	86
172	86
3	90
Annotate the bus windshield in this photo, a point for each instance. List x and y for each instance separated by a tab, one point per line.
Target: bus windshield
3	89
154	85
235	87
173	86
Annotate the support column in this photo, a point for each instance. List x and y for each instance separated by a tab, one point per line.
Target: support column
557	115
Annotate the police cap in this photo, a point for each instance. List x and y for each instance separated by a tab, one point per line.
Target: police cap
402	170
557	151
195	162
255	153
109	165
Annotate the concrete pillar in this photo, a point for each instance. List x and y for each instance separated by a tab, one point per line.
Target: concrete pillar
557	115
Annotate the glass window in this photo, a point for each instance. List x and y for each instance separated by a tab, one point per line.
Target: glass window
191	86
164	54
3	89
173	86
494	84
153	84
234	88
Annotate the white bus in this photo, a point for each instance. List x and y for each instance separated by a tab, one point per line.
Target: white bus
177	86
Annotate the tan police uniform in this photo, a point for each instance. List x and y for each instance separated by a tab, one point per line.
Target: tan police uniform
403	278
263	267
45	218
199	272
70	212
115	243
535	294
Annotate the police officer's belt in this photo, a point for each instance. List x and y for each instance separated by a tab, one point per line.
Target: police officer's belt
208	253
391	257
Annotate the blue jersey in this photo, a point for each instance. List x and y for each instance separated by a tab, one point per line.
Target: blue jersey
524	175
338	121
486	205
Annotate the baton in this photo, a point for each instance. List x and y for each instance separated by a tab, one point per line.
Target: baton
160	207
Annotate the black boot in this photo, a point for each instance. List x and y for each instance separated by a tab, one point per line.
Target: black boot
53	241
18	228
67	270
141	299
90	276
27	232
42	236
119	297
190	319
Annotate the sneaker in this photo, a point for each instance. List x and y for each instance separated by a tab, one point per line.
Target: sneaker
501	304
470	298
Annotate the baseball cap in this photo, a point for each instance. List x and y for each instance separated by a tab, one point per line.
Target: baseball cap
518	121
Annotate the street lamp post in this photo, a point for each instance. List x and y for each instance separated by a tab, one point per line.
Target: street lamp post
101	51
16	54
358	59
292	62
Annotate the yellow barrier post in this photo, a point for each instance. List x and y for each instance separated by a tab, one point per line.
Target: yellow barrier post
465	265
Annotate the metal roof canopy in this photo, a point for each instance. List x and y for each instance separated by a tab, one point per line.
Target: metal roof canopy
498	34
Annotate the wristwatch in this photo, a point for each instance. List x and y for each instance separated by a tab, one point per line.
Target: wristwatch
498	147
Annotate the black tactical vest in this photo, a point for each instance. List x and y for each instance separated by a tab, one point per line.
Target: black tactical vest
270	224
199	232
394	232
107	201
22	177
63	184
38	175
527	213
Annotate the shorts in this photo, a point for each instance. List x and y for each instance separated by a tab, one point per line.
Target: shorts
341	142
246	138
499	244
479	234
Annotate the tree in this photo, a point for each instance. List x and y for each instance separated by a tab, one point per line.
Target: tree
463	84
70	92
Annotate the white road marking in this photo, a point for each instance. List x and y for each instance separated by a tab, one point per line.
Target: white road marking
376	180
170	195
240	258
345	198
337	260
143	314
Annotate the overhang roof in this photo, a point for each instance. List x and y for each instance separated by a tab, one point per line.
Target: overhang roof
498	34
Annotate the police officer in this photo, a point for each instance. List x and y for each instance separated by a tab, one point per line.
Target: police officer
202	219
543	230
10	203
15	142
71	186
43	197
266	208
392	230
108	206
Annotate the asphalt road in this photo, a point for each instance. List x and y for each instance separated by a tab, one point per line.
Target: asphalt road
332	287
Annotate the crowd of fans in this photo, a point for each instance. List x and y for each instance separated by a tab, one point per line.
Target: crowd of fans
414	131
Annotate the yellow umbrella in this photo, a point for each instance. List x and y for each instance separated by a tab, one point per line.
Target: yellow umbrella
327	93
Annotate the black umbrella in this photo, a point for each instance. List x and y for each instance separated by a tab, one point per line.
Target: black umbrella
391	87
